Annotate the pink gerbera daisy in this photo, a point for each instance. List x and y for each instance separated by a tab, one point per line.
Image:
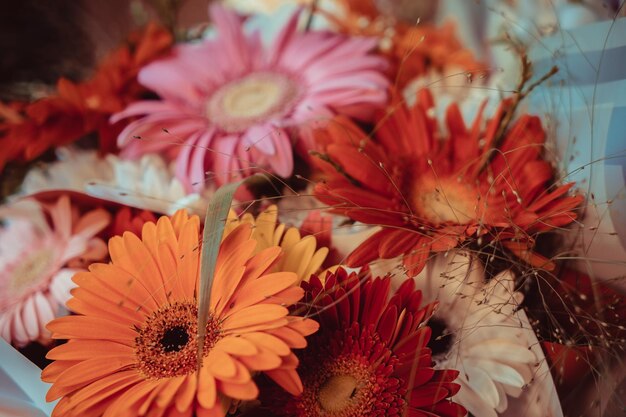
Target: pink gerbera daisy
244	100
37	260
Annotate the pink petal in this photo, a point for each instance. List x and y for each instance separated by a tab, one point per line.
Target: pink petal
260	137
164	77
197	167
140	108
225	165
282	161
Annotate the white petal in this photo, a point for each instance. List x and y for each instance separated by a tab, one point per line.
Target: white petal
499	372
62	284
45	312
504	402
473	401
501	350
480	382
30	319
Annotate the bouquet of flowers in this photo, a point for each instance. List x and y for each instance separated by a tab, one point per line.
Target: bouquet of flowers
320	208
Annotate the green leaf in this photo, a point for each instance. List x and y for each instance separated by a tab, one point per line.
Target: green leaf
214	223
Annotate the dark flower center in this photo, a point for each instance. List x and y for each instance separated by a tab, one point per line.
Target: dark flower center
165	345
174	339
441	339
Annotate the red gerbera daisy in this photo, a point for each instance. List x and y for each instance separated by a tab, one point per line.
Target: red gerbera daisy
29	129
369	357
433	190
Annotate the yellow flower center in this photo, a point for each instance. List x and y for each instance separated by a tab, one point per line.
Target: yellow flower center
344	387
337	393
250	100
166	345
31	269
443	200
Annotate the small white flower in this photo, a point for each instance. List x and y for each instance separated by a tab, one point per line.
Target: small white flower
147	183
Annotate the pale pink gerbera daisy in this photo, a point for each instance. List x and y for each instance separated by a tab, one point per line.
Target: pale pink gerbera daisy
245	101
41	247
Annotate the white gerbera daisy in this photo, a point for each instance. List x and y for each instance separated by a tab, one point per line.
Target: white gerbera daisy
147	183
477	330
69	173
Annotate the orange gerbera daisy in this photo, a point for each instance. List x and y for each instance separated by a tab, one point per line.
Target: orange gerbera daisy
132	348
28	130
432	191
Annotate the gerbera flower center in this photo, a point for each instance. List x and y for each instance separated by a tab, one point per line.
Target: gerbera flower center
174	339
166	345
441	339
337	392
444	200
31	269
250	100
343	387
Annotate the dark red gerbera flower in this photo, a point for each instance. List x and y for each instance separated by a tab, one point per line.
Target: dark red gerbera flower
433	190
369	357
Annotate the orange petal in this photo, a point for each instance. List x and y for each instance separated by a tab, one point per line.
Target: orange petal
236	346
263	361
220	364
90	304
144	266
161	242
247	391
93	369
260	263
207	390
269	342
102	389
169	389
290	361
117	285
229	270
87	349
130	398
256	315
303	325
83	327
52	371
262	289
187	392
174	287
288	380
288	297
188	257
292	337
179	219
